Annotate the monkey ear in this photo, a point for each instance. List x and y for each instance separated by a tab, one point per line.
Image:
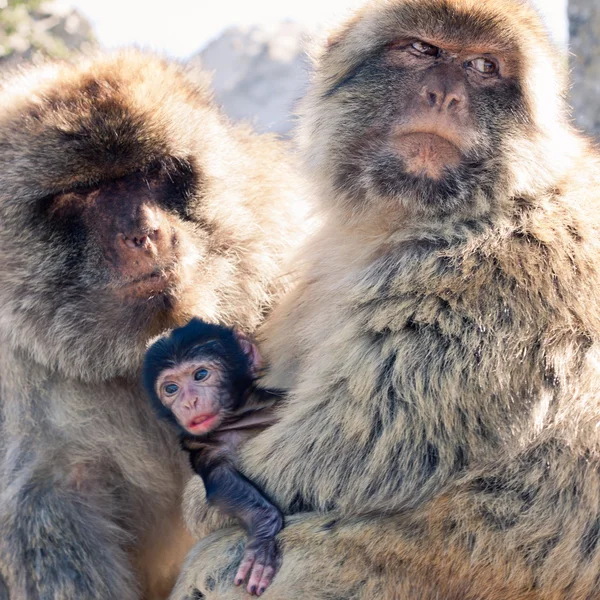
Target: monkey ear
251	350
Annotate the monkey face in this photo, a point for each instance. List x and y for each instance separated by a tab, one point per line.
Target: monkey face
114	262
132	241
199	374
432	145
415	105
196	393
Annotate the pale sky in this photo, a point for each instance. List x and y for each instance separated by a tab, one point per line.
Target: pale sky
182	27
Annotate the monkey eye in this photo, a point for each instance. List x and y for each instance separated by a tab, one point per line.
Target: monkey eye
201	374
171	388
424	48
485	66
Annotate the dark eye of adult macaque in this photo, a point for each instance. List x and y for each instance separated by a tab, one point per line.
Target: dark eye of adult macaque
424	48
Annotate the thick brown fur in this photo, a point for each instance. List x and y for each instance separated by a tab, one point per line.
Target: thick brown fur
441	439
90	482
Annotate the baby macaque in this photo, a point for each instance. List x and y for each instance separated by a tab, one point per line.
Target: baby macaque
202	379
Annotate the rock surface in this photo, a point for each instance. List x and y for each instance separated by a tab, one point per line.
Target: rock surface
584	32
259	73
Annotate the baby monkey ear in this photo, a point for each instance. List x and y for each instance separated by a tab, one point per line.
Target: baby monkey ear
251	350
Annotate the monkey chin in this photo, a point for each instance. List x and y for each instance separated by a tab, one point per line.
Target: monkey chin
426	154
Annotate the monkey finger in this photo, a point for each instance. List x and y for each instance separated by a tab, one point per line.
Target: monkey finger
244	568
255	577
265	580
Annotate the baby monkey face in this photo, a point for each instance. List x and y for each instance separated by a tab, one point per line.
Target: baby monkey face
197	393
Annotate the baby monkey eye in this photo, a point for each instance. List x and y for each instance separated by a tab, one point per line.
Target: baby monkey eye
425	48
200	374
171	388
485	66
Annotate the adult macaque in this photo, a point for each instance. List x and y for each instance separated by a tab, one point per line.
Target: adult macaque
202	379
442	349
128	204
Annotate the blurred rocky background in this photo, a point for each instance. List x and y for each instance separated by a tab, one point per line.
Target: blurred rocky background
260	72
584	36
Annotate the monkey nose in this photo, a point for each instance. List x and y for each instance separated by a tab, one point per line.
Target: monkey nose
137	241
441	98
192	402
143	231
142	242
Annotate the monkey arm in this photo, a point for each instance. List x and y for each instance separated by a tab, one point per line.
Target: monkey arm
229	491
235	495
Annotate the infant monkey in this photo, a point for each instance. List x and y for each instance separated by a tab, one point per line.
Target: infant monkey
202	379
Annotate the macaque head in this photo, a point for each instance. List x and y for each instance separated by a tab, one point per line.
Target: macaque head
129	204
431	107
198	374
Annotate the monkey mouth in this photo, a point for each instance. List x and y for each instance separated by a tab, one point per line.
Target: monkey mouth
203	423
426	153
157	282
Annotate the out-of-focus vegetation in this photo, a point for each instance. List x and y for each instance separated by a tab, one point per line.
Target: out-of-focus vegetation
30	28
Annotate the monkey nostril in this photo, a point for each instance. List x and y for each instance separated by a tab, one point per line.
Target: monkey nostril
432	97
135	241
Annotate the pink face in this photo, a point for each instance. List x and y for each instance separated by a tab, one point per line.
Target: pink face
192	392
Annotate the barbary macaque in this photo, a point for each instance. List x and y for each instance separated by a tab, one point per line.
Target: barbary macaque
128	204
202	379
441	348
